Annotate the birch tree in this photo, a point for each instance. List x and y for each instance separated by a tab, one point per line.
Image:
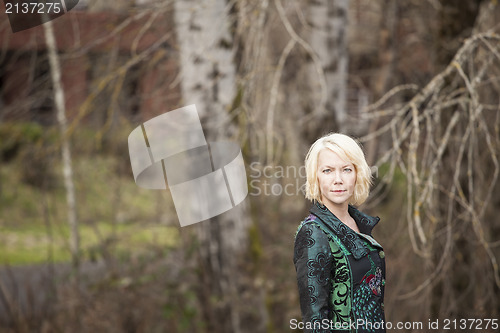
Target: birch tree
208	80
316	91
328	38
55	73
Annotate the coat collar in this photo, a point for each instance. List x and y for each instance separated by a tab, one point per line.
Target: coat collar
349	238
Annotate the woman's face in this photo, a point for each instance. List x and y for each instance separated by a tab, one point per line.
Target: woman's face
337	179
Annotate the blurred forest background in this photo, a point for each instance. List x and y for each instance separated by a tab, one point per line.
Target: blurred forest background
83	249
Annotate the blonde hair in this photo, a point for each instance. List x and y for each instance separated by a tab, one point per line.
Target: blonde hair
350	151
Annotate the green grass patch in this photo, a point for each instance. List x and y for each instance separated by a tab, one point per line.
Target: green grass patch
116	217
36	244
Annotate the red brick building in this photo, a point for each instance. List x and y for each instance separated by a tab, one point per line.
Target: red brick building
113	64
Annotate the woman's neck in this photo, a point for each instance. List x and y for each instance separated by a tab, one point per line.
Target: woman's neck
342	213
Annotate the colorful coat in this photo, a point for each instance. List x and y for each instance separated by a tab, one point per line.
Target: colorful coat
340	273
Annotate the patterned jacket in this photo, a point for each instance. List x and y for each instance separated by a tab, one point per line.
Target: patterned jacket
340	273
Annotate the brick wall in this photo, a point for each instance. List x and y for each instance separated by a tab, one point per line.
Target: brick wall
85	39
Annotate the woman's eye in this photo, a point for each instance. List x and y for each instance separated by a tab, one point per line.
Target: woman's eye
347	169
326	171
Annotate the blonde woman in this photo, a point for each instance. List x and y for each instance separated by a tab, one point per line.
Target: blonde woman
340	266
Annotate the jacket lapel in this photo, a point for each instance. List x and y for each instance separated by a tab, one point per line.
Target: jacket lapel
348	237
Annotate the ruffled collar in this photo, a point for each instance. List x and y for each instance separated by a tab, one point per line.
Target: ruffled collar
351	239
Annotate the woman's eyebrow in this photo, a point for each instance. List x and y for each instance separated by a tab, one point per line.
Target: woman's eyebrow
332	167
327	166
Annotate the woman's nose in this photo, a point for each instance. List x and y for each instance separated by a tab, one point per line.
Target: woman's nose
337	179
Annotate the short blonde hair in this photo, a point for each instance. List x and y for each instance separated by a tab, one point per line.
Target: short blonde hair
350	151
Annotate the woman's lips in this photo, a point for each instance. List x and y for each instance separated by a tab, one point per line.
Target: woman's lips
338	191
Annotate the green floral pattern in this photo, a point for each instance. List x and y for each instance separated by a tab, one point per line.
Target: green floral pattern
333	284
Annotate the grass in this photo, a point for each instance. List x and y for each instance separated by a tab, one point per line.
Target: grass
115	215
32	244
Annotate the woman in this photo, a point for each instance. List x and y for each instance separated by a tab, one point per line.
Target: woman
340	267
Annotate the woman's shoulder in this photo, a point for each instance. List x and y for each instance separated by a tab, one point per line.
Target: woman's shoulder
309	228
307	223
311	240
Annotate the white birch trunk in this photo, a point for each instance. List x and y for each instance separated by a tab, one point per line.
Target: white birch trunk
328	38
208	79
55	71
206	59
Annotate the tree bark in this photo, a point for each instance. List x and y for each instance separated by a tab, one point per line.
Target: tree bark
208	79
55	71
328	38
